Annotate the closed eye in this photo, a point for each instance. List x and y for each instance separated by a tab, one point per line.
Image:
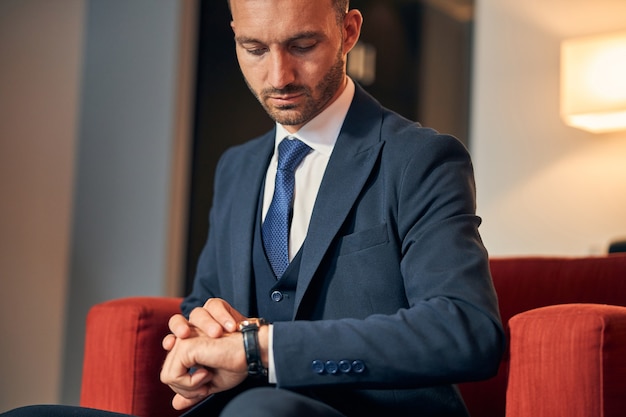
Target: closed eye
252	46
256	51
303	47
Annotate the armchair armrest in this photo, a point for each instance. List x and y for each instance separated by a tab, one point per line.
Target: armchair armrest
568	360
123	356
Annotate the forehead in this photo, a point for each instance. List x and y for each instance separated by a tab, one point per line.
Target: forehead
276	19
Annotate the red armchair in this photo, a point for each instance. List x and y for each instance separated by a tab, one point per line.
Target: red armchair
123	356
567	355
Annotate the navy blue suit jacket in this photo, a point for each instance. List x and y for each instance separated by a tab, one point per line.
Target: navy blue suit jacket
393	273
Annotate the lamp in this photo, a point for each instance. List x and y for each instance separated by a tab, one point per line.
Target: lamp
593	82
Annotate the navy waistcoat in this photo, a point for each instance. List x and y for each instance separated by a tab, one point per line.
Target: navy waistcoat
274	298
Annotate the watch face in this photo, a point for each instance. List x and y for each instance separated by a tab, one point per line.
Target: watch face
251	322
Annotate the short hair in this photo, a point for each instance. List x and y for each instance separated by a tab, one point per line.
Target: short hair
340	6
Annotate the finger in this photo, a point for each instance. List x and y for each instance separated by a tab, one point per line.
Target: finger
192	389
180	403
193	386
193	382
179	326
168	342
223	313
175	370
202	319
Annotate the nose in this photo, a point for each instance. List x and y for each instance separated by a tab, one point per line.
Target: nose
281	71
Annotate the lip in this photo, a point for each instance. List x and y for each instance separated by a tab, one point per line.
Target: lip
285	99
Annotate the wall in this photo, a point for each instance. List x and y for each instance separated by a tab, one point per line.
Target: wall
543	187
40	46
95	105
125	162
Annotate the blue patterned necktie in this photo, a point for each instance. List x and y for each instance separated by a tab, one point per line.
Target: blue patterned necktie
277	222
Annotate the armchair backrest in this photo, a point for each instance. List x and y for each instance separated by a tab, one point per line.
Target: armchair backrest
526	283
123	356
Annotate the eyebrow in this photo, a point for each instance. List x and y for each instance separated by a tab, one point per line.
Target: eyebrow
301	35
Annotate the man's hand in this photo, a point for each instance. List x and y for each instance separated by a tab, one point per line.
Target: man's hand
209	344
219	363
215	319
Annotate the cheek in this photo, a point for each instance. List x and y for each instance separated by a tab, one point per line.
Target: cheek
253	73
308	72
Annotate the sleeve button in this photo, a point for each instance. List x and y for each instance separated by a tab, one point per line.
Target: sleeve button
331	367
358	366
317	366
345	366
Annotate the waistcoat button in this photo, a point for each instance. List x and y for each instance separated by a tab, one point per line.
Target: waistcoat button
277	296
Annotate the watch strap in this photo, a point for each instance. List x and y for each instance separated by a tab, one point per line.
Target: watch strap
249	329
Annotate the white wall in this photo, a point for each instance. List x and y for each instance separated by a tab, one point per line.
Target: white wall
94	122
543	187
40	53
124	163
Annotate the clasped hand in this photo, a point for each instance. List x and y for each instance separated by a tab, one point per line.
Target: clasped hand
205	353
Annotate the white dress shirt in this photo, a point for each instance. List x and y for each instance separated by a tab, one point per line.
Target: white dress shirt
320	134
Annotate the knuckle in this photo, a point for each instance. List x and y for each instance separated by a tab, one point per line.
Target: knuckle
197	313
164	377
210	302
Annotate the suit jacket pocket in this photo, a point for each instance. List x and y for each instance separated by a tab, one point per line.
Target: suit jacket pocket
363	239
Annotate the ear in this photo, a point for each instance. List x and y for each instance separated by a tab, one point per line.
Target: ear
351	29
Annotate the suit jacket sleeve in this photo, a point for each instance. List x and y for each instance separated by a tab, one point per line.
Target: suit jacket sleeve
405	288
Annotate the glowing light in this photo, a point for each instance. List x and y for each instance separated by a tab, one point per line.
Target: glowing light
593	82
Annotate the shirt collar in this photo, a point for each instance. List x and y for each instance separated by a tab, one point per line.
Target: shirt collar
321	132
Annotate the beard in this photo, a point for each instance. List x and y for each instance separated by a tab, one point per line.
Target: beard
315	100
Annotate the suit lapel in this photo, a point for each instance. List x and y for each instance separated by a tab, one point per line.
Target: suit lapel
243	218
351	163
349	167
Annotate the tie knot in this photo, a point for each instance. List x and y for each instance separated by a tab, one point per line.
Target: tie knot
291	152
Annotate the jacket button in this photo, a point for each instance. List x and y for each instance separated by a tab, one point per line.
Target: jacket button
331	367
345	366
317	366
358	366
277	296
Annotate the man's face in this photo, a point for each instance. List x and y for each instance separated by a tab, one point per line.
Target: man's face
292	55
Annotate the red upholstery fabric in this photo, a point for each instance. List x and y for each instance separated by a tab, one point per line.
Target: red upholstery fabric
525	283
123	356
568	360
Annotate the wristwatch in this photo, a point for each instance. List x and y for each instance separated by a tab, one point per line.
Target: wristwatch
249	328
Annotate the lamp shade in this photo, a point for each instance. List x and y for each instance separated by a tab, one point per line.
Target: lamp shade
593	82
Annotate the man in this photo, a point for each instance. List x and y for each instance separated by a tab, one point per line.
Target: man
379	297
387	300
